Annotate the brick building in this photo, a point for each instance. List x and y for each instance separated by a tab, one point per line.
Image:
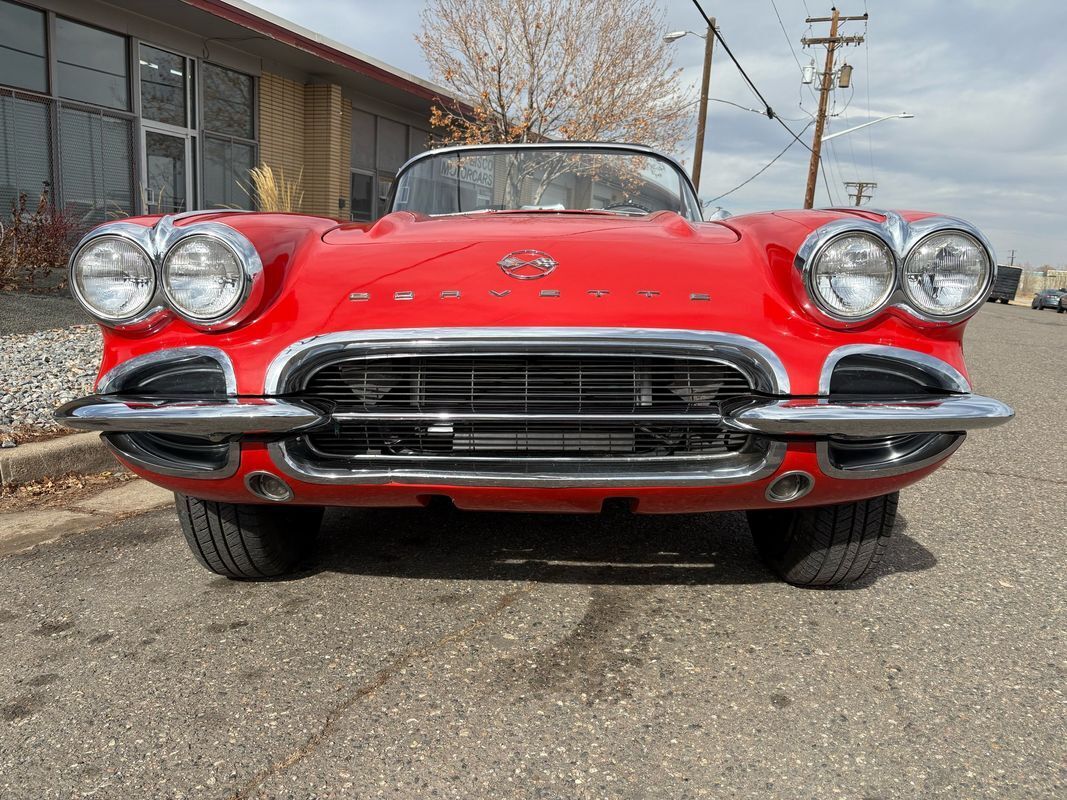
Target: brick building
146	106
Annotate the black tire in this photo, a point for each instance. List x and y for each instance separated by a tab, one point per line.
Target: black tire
824	545
1005	302
249	542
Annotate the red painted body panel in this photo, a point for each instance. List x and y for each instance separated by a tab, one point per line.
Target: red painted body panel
576	500
612	272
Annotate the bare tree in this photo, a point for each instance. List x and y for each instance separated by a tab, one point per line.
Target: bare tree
594	70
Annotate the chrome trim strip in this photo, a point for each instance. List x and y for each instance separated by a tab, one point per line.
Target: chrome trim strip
824	417
127	448
901	237
113	379
949	377
461	416
765	368
822	454
542	478
204	418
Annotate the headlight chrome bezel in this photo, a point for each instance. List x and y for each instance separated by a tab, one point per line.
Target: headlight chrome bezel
901	238
139	237
156	243
247	259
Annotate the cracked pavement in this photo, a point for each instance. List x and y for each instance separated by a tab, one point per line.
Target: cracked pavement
457	655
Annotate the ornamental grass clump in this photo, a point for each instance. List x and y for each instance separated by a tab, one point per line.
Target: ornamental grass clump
272	191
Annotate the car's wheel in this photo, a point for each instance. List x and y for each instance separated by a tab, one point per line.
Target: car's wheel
824	545
247	541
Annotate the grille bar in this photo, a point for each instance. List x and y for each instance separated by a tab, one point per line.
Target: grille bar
507	408
479	416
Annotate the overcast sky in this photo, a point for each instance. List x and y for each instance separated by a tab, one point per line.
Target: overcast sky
985	79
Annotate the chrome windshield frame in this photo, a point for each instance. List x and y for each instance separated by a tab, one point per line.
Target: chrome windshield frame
692	199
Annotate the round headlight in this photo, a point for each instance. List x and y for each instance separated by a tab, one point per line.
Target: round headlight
113	278
946	273
853	275
203	278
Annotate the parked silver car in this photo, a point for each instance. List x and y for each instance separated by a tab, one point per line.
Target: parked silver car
1048	298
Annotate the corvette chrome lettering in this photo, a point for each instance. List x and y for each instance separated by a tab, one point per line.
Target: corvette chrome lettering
456	294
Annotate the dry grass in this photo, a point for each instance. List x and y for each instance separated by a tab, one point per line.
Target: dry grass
273	191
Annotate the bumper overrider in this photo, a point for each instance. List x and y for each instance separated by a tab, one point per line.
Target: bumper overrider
708	409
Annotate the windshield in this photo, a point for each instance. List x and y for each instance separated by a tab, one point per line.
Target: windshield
620	181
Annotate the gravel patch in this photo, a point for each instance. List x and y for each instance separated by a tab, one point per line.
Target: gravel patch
39	371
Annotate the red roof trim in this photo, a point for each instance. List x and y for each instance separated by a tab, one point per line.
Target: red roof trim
256	23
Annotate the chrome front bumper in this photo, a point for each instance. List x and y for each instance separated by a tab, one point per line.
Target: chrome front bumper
819	417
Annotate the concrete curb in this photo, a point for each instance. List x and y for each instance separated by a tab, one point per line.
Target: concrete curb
79	453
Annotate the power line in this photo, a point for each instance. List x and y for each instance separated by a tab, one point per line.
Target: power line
770	111
762	169
785	33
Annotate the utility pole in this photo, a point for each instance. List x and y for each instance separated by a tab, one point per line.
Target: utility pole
857	190
1012	264
705	81
831	42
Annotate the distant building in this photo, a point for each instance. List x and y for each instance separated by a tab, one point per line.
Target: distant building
139	106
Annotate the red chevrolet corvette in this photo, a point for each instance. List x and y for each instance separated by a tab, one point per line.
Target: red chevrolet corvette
545	327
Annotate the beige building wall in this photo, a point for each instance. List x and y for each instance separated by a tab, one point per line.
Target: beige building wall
305	132
281	125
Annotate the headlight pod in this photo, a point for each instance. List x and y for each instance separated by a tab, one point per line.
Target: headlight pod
113	277
932	270
203	278
852	276
946	273
127	275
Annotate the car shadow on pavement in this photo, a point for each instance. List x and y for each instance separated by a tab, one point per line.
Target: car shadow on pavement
610	548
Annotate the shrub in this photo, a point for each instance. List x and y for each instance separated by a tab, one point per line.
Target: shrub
34	244
272	191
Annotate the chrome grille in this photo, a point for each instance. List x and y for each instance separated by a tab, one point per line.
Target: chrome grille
527	384
528	406
531	440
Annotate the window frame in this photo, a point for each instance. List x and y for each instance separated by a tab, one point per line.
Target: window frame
49	53
206	131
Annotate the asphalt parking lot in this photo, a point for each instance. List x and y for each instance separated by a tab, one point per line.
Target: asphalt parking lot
429	654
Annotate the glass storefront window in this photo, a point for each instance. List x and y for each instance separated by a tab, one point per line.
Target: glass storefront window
226	166
364	139
166	160
163	80
392	144
362	196
97	176
91	65
23	56
228	102
25	160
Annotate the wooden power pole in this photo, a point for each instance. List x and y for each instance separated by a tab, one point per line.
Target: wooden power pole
831	42
702	120
858	190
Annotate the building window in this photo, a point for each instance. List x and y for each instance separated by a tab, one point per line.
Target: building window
364	139
392	145
97	153
25	155
227	163
228	102
23	56
362	196
163	86
91	65
229	136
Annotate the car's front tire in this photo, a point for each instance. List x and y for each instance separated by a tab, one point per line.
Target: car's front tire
247	542
824	545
